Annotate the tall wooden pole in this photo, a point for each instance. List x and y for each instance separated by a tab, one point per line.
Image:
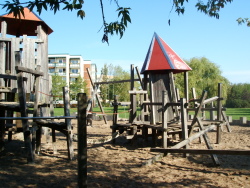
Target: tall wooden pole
82	139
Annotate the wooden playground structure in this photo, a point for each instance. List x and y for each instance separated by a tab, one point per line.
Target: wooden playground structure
26	100
25	85
164	115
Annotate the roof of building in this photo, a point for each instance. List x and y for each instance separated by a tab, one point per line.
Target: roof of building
161	57
25	25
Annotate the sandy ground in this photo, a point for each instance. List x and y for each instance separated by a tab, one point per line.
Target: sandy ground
119	165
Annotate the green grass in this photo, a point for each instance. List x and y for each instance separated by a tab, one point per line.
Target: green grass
236	113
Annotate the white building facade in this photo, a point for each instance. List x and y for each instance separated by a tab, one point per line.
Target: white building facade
70	67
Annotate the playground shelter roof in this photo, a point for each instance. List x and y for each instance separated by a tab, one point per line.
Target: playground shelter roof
161	57
25	25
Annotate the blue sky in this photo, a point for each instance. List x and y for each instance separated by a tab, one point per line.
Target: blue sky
193	34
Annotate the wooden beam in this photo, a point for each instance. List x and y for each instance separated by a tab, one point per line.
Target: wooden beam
115	81
202	151
137	92
66	102
210	100
82	139
193	137
28	70
96	95
139	76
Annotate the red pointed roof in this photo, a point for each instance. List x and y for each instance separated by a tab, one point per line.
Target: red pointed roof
25	25
161	57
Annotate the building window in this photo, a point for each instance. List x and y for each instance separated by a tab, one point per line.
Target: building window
74	61
72	79
51	70
51	60
74	70
62	60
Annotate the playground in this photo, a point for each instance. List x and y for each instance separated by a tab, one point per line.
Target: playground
163	146
120	165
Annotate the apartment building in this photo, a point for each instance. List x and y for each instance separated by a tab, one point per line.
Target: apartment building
70	67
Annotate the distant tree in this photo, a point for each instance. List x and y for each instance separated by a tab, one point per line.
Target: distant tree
57	84
238	96
204	75
115	73
78	86
121	89
105	77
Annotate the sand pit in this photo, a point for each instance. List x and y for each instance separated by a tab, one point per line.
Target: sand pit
120	165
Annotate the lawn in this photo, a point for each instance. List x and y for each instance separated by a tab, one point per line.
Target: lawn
236	113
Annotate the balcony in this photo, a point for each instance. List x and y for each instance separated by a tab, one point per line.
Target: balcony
50	65
60	65
74	65
61	74
74	75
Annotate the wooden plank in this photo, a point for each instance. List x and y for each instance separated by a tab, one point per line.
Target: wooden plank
186	85
202	151
3	39
219	115
173	93
95	87
193	137
164	119
139	76
26	131
227	122
207	141
211	100
184	125
205	109
115	81
66	102
28	70
137	92
132	114
2	130
82	139
198	110
3	29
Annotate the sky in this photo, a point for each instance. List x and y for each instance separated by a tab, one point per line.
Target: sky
193	34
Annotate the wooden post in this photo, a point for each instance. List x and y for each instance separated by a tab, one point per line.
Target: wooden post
164	119
184	121
145	107
139	76
197	111
66	102
96	95
152	111
115	104
219	110
173	93
207	141
211	111
26	131
82	139
186	85
2	130
132	98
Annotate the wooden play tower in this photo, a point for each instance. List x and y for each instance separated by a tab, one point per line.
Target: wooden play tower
24	79
164	114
